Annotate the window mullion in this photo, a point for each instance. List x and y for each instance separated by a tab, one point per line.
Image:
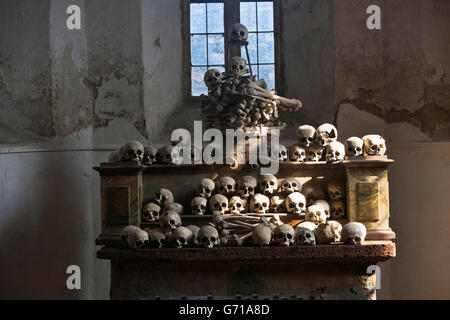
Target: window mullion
231	16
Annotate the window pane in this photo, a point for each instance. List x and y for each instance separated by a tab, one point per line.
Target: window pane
266	48
248	15
252	49
198	18
216	48
265	16
215	17
198	49
197	84
267	72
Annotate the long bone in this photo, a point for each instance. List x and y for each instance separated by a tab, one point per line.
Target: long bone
286	104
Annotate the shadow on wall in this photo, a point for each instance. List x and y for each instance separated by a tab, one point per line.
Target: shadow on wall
47	224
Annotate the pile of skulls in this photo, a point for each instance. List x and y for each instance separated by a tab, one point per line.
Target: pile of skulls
268	195
236	99
321	145
308	234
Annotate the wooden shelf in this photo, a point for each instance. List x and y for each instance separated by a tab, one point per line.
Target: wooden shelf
369	252
115	168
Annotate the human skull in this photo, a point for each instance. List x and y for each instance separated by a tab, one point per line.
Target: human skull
239	32
284	235
290	185
132	151
157	238
277	204
195	229
135	237
354	147
354	233
164	155
262	234
181	237
324	233
208	237
150	212
305	237
313	192
218	203
374	145
205	188
325	206
259	203
282	153
213	78
163	197
268	184
315	214
199	205
238	66
337	210
306	135
246	186
335	152
295	203
326	133
297	153
226	186
307	224
336	190
337	229
238	205
149	155
315	152
174	206
169	221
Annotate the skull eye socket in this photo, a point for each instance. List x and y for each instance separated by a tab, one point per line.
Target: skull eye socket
292	206
204	239
241	67
265	205
272	183
311	153
301	205
217	74
289	236
130	152
213	239
303	139
373	147
337	153
303	153
250	189
358	148
294	185
216	206
283	153
139	152
139	243
210	79
171	221
281	236
230	186
242	33
224	205
234	66
202	207
310	139
357	239
307	235
155	213
286	185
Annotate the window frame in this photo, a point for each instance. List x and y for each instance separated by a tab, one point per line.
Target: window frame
231	15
